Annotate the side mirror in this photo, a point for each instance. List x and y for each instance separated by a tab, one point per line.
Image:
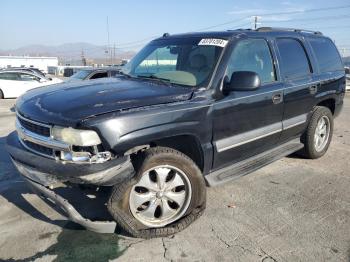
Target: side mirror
243	81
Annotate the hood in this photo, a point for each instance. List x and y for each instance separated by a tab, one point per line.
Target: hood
67	104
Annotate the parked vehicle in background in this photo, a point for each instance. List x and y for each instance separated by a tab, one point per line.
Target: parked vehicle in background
26	69
347	72
187	111
93	73
14	83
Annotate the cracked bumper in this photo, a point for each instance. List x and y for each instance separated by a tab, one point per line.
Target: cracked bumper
42	173
103	174
70	212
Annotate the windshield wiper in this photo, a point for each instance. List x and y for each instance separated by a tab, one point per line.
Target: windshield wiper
159	79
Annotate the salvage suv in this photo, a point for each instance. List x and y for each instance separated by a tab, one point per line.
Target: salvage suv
188	111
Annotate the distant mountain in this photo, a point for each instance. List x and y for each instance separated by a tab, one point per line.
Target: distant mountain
67	51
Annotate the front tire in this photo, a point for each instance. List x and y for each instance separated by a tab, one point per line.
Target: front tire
319	133
1	94
166	195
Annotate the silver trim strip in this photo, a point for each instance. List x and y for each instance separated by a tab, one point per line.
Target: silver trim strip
294	121
27	135
250	136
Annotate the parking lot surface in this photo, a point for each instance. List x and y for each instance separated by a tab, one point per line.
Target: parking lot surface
292	210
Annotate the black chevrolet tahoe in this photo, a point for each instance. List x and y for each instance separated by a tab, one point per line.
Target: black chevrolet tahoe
188	111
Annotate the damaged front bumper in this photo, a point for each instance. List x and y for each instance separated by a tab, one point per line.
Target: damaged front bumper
43	174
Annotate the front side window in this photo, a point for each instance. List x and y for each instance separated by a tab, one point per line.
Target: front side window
326	53
187	61
27	77
252	55
294	62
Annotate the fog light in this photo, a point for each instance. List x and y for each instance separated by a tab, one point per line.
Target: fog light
85	157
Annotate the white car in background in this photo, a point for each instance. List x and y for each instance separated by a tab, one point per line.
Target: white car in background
14	83
347	72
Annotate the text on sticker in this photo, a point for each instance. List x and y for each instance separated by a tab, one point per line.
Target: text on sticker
213	41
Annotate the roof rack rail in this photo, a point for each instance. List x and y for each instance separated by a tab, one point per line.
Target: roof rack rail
265	29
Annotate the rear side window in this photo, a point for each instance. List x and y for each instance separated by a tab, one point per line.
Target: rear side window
326	53
252	55
294	62
9	76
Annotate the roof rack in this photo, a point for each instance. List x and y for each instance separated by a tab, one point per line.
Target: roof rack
265	29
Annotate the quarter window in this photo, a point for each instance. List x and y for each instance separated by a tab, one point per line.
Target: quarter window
294	62
326	53
252	55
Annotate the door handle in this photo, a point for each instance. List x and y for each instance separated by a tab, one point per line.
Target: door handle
277	98
313	89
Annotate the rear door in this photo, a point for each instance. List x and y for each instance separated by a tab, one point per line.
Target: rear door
300	85
27	82
10	84
246	123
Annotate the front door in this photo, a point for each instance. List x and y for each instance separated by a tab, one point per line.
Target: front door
246	123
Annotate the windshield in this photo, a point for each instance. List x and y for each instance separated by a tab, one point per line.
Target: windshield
188	62
82	74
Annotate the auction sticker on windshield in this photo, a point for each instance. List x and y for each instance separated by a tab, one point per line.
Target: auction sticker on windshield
213	41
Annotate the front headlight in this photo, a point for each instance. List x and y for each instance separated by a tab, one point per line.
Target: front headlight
75	136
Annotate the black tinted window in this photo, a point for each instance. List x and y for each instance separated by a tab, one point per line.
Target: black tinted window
294	62
113	73
327	56
252	55
99	75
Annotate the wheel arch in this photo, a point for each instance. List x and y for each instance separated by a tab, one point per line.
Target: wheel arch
186	144
329	103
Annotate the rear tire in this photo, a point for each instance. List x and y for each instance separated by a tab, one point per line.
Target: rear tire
318	134
1	94
159	215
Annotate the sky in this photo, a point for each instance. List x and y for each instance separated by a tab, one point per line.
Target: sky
132	23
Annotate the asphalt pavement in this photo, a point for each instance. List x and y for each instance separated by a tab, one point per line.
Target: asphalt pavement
292	210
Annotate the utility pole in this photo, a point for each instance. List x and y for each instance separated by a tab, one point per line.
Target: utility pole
108	43
255	21
114	54
83	59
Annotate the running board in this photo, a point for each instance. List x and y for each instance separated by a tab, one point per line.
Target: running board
253	163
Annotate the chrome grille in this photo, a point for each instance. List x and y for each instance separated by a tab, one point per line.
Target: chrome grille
36	137
35	127
39	149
